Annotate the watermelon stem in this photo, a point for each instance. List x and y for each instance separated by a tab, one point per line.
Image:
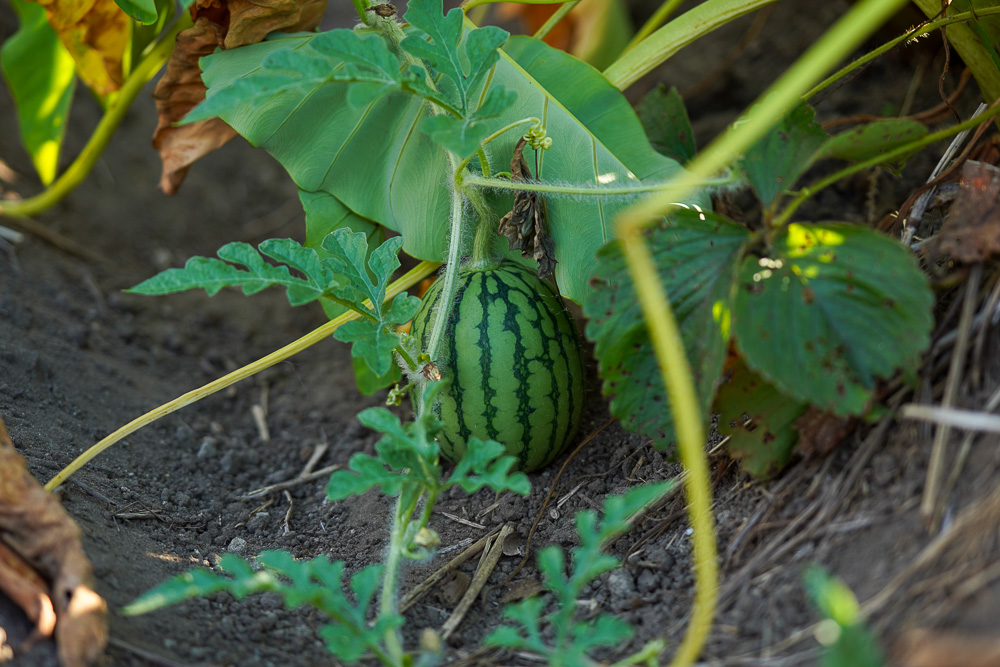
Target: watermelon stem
450	277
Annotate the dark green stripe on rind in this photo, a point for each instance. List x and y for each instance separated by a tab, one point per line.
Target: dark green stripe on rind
512	353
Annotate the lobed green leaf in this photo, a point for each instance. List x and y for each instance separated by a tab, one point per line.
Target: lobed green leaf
484	464
256	275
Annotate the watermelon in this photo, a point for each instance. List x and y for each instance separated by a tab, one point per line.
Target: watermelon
514	362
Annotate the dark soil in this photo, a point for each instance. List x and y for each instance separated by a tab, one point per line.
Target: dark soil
79	358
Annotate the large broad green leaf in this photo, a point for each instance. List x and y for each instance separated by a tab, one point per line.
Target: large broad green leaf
697	255
834	308
41	74
378	162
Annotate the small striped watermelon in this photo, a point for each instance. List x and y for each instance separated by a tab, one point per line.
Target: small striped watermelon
515	364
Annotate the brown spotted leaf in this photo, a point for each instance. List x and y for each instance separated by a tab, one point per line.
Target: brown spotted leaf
35	527
760	422
96	33
218	24
971	233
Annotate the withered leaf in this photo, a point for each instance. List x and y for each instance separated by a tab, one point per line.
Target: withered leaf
217	24
525	225
95	32
820	432
35	527
971	232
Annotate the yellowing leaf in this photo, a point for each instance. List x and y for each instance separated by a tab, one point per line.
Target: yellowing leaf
95	32
41	75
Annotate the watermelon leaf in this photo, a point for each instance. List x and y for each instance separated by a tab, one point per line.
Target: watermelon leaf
832	309
256	275
408	461
697	254
301	114
318	582
576	639
374	337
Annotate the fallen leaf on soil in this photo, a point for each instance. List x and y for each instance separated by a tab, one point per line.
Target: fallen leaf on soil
928	648
217	24
522	589
95	32
36	530
971	232
27	590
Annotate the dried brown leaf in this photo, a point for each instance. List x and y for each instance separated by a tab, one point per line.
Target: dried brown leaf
218	24
525	225
35	527
27	590
971	232
95	32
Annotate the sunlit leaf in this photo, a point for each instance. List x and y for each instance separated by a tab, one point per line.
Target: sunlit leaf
96	35
41	75
834	308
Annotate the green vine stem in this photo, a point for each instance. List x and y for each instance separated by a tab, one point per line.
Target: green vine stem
397	545
671	38
633	190
919	31
113	116
452	262
971	50
863	18
655	21
883	158
554	20
321	333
